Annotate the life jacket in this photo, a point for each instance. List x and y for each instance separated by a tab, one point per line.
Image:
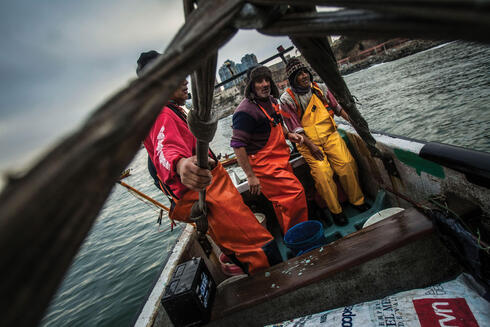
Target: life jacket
315	89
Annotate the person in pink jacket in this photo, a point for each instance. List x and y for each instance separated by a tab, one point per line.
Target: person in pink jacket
232	225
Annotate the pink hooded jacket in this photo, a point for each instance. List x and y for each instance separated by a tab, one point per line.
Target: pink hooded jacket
168	141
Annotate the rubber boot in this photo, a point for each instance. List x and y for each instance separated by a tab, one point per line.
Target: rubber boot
339	219
362	207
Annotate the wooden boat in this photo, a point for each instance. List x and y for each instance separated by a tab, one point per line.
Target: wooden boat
397	253
401	252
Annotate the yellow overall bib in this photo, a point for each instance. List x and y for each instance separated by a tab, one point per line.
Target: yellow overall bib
321	129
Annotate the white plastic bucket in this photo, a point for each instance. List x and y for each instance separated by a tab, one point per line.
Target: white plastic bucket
378	216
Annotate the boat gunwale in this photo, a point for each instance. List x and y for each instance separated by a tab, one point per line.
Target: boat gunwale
150	309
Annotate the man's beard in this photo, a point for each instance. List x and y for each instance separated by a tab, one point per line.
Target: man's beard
265	92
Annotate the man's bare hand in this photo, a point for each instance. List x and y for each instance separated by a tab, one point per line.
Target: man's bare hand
254	185
192	176
316	151
296	138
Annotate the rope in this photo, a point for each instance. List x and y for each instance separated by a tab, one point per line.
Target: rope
203	130
434	200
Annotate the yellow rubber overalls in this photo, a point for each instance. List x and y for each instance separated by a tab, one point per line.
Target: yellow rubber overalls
321	129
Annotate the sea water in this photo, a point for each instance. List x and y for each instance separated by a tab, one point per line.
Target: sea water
442	95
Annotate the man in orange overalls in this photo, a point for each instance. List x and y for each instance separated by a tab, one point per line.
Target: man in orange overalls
261	150
309	109
232	225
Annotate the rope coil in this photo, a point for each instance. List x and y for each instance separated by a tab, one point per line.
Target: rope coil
203	130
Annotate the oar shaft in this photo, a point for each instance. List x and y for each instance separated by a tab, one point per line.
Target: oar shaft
144	196
202	149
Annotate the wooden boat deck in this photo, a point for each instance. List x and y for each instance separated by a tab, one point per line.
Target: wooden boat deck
278	283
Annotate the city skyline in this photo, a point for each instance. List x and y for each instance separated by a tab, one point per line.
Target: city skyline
230	68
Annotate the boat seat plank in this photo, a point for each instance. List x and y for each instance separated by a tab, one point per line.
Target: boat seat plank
354	249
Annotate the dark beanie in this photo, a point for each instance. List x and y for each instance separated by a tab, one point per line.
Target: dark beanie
144	59
293	66
254	74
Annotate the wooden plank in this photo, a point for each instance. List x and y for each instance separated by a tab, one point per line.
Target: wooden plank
353	250
46	214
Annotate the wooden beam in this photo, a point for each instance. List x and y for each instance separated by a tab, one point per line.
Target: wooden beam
203	124
455	11
369	24
46	214
343	3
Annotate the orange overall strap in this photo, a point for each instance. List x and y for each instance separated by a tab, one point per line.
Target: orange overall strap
272	121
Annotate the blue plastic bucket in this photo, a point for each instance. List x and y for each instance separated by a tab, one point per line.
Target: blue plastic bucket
305	236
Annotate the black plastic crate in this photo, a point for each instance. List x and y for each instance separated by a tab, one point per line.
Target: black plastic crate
190	293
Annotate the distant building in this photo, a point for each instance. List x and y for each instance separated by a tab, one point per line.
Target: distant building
229	68
249	60
226	71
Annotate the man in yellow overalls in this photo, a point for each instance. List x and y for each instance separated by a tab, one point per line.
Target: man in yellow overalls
308	108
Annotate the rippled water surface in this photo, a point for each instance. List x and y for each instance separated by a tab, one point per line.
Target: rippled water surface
442	95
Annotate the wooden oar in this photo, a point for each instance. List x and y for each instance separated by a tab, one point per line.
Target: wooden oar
143	195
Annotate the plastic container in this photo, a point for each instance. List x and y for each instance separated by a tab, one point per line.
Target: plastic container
305	236
383	214
261	218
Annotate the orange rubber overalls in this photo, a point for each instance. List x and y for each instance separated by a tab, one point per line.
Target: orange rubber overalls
232	225
321	129
277	180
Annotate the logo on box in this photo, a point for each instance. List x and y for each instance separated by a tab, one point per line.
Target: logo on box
444	313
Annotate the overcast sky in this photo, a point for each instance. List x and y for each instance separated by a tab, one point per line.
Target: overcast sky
60	58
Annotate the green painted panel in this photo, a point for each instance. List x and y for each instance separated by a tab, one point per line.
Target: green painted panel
420	165
343	134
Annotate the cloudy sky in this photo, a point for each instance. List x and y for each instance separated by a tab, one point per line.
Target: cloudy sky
60	58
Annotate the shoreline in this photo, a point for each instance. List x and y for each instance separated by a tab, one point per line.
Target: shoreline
406	49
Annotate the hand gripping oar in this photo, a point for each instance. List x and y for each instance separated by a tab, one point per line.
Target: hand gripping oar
203	125
204	132
200	120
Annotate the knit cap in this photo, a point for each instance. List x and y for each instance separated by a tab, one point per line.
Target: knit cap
144	59
254	74
293	66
